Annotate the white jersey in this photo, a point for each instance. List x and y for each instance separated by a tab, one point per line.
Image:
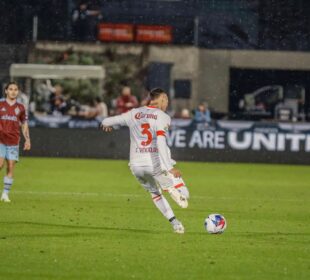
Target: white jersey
148	127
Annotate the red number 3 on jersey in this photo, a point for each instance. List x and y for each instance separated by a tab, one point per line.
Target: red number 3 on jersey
146	131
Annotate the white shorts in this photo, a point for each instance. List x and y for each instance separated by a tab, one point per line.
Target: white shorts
155	183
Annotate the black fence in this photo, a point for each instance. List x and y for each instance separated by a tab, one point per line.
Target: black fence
222	141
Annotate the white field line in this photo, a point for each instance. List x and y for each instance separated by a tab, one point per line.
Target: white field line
45	193
76	193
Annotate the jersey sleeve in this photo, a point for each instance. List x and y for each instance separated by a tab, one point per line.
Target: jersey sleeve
123	120
163	123
23	117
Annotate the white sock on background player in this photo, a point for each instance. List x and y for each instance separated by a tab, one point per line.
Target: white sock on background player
7	187
8	182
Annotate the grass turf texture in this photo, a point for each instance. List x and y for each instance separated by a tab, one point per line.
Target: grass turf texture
89	219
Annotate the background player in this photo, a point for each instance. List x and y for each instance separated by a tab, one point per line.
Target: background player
150	159
12	116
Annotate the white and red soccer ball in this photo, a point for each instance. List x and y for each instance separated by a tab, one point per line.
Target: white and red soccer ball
215	223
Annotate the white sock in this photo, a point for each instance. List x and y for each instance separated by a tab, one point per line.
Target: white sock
7	181
163	205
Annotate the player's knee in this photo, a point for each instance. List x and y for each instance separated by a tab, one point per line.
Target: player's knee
155	195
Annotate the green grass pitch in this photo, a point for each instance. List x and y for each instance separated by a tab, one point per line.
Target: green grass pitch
89	219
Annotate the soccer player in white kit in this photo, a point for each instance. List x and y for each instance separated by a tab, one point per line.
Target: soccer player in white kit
150	158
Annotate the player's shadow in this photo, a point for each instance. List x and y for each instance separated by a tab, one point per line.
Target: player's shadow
96	230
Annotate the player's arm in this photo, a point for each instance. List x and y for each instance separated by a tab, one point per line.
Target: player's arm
23	118
163	149
109	122
25	131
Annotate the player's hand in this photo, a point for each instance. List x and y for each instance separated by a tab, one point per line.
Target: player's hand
175	172
27	145
106	128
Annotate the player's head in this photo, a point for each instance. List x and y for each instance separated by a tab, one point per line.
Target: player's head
11	90
159	98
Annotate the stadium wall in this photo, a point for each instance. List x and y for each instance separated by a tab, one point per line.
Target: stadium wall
219	142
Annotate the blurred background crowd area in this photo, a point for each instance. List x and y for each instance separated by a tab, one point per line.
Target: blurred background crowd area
217	59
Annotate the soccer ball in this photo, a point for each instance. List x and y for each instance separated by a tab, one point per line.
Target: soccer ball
215	223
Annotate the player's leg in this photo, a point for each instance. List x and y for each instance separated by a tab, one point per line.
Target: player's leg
162	204
179	184
166	181
8	181
164	207
11	159
2	160
145	178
